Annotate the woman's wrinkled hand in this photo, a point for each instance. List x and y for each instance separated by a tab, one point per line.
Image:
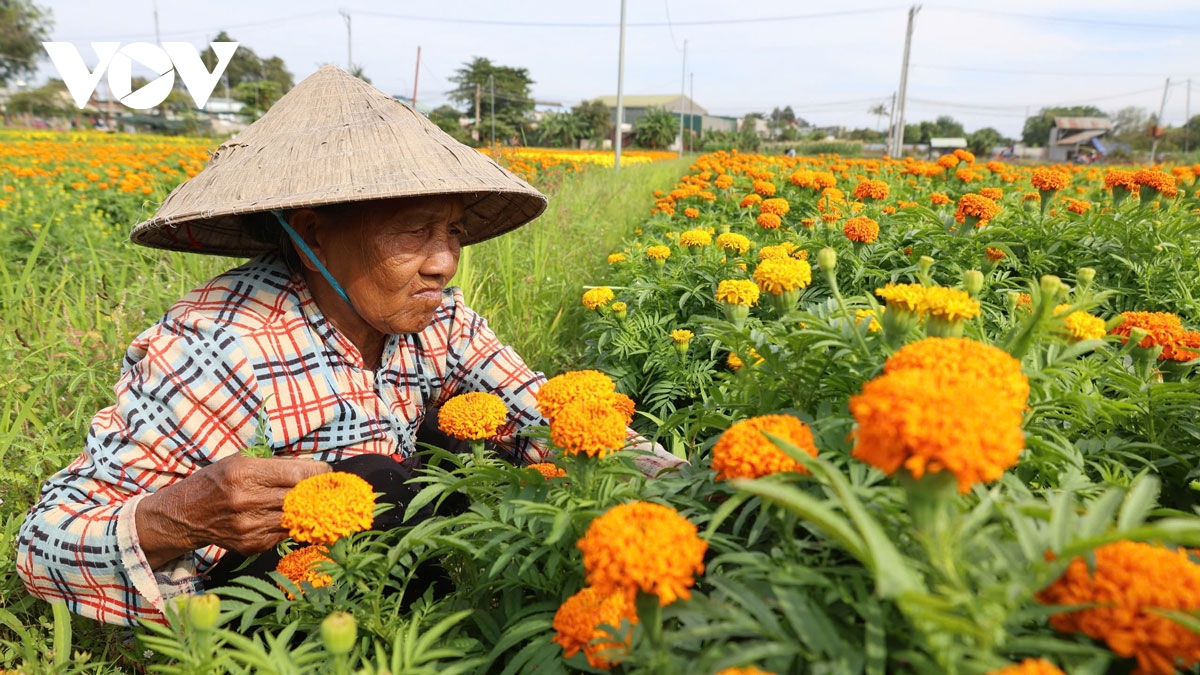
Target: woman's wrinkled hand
235	503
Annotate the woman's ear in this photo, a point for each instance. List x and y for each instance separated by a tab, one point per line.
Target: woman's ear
306	223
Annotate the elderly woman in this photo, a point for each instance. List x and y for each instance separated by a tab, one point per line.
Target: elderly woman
333	342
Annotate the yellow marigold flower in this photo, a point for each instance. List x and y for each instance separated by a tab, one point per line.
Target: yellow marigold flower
324	508
301	565
1126	585
967	360
618	307
1082	326
776	205
871	189
905	297
907	419
750	200
732	241
764	188
643	546
1159	181
1078	206
950	304
1047	179
937	199
658	252
769	221
697	238
691	212
861	314
777	251
473	416
681	336
614	258
976	206
1029	667
593	427
734	361
744	452
779	275
748	670
1120	178
575	385
577	625
1162	328
598	297
548	470
861	229
993	193
671	235
737	292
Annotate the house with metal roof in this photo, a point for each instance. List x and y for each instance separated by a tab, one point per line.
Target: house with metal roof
695	116
1070	135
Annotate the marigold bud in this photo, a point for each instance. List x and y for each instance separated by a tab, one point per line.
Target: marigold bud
973	282
925	263
827	259
1085	275
339	632
1052	288
204	611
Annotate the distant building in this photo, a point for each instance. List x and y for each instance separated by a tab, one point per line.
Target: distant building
1069	135
942	146
695	116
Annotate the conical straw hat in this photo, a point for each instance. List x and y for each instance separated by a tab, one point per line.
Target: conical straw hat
332	139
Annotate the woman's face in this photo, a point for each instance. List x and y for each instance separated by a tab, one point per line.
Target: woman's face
394	257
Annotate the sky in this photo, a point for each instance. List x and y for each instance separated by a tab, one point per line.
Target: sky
984	62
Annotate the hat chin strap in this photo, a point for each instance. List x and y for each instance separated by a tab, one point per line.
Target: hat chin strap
313	258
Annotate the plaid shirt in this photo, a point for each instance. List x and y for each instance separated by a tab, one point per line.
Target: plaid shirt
251	344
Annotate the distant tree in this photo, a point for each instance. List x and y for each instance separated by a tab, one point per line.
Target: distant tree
866	135
656	129
944	126
981	141
358	72
257	95
1037	128
514	102
48	100
560	130
23	27
246	66
880	111
748	139
595	118
1131	127
446	117
780	119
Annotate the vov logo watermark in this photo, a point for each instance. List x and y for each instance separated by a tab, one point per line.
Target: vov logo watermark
178	57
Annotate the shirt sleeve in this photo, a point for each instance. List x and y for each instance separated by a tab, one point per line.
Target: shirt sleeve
187	397
477	361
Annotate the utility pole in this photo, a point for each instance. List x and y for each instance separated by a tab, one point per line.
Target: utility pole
899	145
682	84
1162	110
891	125
691	101
349	53
416	76
620	91
1187	117
478	96
157	36
492	84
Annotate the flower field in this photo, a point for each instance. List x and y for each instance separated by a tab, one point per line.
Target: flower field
532	163
941	417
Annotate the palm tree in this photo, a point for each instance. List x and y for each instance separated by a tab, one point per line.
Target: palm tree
656	129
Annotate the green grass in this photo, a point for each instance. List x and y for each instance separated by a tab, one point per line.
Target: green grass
528	283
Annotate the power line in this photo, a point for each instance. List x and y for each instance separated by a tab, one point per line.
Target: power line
277	21
642	24
1006	71
1081	21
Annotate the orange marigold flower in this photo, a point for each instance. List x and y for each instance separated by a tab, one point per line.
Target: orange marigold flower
965	155
750	200
1162	329
643	546
993	193
1047	179
1029	667
691	212
947	161
906	420
779	275
593	427
994	254
473	416
861	229
624	405
871	189
324	508
1120	178
966	360
748	670
769	221
732	241
1078	206
976	206
1031	197
695	238
547	469
579	620
724	181
744	452
658	252
1126	586
937	199
575	385
301	565
737	292
966	175
734	361
777	205
764	188
1159	181
597	297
